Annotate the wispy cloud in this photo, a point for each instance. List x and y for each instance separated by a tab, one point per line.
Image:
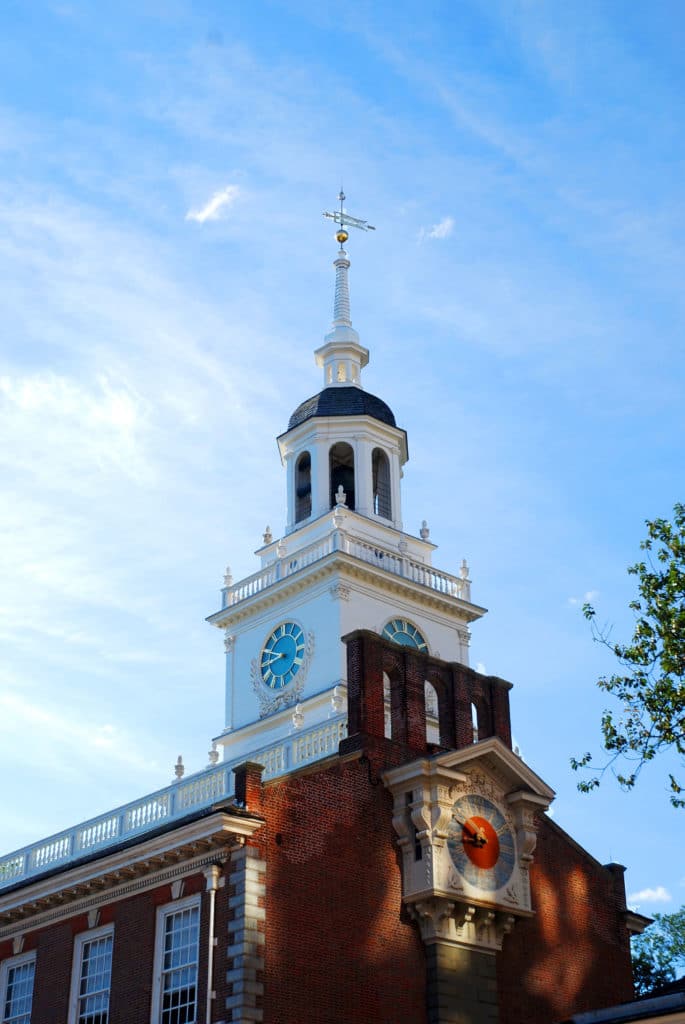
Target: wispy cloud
219	202
441	230
587	598
657	895
88	737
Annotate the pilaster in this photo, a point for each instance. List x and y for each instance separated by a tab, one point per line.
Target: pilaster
246	940
462	985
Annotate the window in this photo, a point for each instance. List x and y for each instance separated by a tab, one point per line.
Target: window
380	470
91	977
432	713
387	713
341	460
474	722
16	988
303	487
176	962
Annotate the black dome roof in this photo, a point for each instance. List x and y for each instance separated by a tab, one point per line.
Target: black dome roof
344	401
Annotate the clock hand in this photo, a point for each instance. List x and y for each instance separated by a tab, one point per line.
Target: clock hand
274	657
477	838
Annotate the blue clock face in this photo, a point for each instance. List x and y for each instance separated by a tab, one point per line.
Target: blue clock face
402	632
481	843
282	655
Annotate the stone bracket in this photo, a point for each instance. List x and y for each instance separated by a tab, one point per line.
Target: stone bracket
463	924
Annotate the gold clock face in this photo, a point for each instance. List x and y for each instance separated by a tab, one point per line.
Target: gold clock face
400	631
481	843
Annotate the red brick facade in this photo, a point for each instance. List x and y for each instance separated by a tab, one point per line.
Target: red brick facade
326	938
575	951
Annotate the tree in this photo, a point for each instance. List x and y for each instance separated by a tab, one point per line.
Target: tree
659	952
651	688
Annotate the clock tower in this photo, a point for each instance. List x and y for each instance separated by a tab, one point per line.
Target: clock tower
344	562
370	848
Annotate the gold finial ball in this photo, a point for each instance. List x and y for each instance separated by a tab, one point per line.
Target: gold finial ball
342	236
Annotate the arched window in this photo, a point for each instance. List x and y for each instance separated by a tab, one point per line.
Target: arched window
303	487
341	459
380	468
474	722
387	714
432	713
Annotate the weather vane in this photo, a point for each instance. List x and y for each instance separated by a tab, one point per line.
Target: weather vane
343	218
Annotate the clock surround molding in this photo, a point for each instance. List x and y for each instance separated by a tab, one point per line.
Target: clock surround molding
446	906
271	701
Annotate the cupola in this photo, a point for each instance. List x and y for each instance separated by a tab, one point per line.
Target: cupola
343	444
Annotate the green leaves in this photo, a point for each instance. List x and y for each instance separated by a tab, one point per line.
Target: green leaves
658	952
651	689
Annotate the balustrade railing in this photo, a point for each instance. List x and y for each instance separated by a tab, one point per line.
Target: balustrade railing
339	540
319	742
175	801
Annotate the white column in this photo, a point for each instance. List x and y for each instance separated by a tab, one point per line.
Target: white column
290	490
320	477
229	647
362	476
395	491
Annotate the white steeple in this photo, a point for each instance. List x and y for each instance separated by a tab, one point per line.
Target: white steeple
342	356
343	563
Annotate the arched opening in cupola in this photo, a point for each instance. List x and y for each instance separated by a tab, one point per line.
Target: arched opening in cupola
341	460
303	487
475	730
380	470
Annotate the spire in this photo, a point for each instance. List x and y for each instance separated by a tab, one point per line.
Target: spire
341	302
342	357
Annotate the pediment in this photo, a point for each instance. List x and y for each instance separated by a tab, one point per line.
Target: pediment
491	756
501	763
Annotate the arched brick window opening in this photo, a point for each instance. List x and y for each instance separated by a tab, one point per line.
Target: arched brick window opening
380	469
387	714
432	713
303	487
474	722
341	460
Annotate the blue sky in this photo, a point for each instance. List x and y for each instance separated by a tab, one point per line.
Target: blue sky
522	300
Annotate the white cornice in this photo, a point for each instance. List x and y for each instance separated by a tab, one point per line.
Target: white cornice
352	568
278	719
116	874
342	427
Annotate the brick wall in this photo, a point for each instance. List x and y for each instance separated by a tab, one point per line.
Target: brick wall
134	922
338	946
574	955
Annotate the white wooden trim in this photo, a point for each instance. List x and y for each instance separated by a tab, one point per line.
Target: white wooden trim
79	942
162	913
5	967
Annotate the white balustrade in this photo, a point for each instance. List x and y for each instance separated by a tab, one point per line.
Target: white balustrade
52	851
373	554
98	832
201	790
274	760
319	742
147	812
11	868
